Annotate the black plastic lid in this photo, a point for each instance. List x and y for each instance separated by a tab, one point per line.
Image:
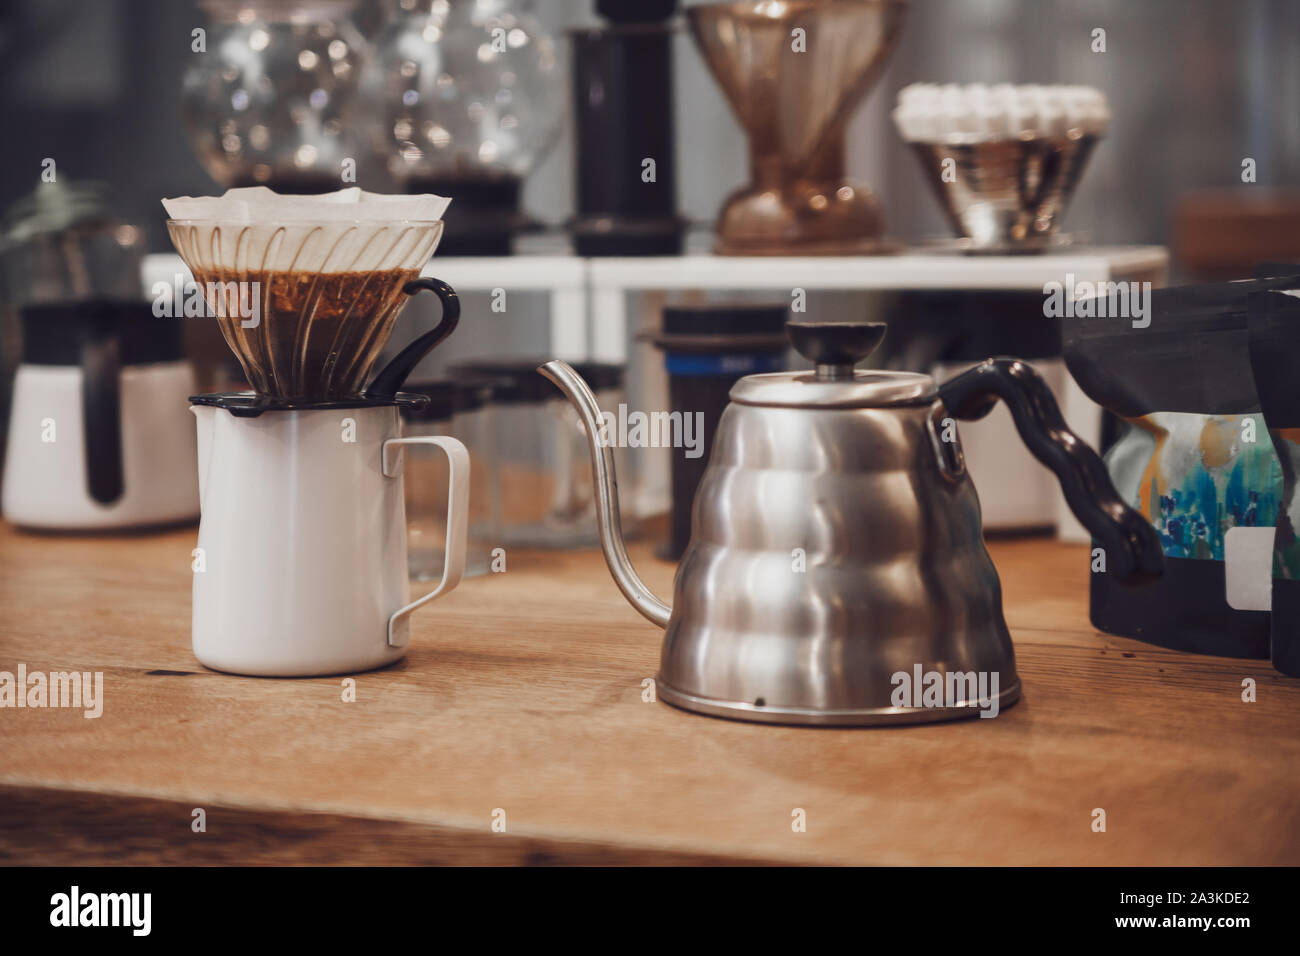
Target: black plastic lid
54	333
517	380
725	318
723	327
250	404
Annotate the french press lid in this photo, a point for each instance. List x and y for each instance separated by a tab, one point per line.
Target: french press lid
834	348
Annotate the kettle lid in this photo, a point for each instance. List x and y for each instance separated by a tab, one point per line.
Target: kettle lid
834	348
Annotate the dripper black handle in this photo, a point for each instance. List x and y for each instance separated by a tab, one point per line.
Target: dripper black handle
1132	547
393	375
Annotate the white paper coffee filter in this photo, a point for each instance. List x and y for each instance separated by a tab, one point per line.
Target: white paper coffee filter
258	204
933	113
255	228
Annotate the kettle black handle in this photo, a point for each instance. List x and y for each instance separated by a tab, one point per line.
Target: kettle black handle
391	378
1132	547
101	416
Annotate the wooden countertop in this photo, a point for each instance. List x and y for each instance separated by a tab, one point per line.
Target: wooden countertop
523	692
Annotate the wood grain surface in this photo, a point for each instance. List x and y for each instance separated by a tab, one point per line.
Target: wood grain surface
523	692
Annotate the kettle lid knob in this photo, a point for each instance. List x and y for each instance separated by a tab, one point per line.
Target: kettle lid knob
835	347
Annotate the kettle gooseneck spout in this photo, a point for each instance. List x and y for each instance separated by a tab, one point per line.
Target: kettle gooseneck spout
606	485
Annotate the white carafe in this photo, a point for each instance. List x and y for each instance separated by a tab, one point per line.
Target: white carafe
98	436
301	564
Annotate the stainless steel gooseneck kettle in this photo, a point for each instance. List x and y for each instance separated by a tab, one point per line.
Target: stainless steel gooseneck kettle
837	562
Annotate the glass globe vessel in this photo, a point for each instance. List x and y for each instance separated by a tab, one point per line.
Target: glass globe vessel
273	100
467	97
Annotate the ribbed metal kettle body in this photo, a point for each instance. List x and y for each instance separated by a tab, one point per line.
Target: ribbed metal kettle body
831	549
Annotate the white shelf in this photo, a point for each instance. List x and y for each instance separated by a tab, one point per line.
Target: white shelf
909	270
704	272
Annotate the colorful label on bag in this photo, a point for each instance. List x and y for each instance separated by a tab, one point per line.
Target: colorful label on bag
1195	477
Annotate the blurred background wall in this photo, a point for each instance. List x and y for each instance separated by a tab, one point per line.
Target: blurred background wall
1195	86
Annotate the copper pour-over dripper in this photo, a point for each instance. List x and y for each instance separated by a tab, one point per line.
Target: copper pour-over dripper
794	93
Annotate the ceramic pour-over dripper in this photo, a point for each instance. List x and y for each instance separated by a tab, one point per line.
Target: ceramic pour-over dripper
306	289
794	71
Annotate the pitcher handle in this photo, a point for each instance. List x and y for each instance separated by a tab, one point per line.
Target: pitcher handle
453	563
1132	547
390	379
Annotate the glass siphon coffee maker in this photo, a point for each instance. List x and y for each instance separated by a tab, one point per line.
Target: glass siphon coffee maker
272	97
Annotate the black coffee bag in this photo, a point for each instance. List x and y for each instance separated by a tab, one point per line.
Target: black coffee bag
1194	456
